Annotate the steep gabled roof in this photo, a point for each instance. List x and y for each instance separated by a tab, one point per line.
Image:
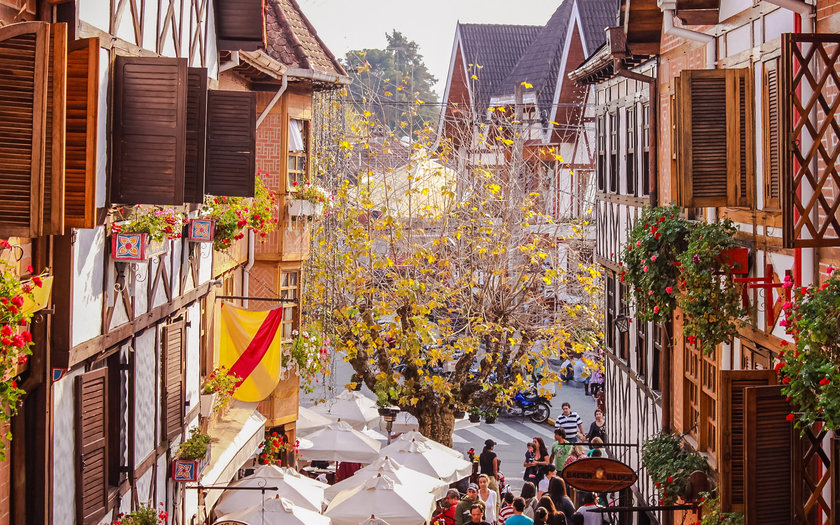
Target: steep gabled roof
595	17
293	41
496	48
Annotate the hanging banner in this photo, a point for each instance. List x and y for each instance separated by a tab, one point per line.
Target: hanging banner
249	345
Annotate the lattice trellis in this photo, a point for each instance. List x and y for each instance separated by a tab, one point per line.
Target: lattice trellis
814	466
811	86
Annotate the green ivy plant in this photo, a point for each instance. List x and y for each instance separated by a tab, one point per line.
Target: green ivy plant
670	464
195	447
713	515
649	260
710	299
811	370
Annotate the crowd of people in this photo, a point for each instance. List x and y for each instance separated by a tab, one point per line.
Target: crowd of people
545	498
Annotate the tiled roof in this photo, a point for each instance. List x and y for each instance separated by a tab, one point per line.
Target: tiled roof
292	41
496	48
540	64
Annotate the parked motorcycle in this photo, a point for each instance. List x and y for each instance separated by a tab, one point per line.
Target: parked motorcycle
531	405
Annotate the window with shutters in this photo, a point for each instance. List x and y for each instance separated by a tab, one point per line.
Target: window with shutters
290	289
645	187
172	350
733	414
230	166
700	387
298	150
149	130
601	132
658	343
52	204
82	115
609	329
771	139
613	153
630	150
715	156
91	446
196	134
691	389
24	60
641	348
240	24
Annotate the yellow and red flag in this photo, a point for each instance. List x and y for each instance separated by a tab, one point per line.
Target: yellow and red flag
249	346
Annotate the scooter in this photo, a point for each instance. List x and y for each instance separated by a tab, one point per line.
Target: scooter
531	405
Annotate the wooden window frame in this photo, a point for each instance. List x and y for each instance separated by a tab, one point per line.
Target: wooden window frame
738	155
623	338
645	183
82	389
771	134
601	145
691	390
291	311
631	173
614	179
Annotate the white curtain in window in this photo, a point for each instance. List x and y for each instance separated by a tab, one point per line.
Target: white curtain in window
296	135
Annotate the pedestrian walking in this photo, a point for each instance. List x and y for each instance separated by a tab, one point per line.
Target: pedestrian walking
463	512
507	509
476	513
541	458
560	496
598	428
519	517
447	517
570	422
560	450
553	516
542	487
529	495
530	463
587	509
578	453
490	498
488	463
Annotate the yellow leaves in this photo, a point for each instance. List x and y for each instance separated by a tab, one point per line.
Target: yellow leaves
526	85
345	145
474	77
494	188
388	94
367	114
413	401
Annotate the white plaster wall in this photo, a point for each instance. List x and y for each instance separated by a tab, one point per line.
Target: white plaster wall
95	13
193	355
205	269
211	54
150	24
64	450
178	249
88	276
776	23
730	8
145	356
102	130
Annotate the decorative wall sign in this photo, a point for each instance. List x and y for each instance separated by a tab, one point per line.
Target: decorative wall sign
599	475
201	230
189	470
134	246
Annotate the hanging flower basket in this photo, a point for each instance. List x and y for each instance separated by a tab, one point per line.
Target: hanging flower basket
201	230
304	208
128	246
190	469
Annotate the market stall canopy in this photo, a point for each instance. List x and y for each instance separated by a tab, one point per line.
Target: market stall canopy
422	458
413	435
403	423
309	421
292	486
352	407
373	520
277	511
341	442
388	467
382	497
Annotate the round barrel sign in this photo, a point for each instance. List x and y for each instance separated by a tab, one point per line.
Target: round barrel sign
599	475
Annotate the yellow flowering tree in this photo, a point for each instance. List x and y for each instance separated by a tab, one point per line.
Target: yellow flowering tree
444	288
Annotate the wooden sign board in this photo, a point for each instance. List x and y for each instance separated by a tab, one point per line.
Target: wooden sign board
599	475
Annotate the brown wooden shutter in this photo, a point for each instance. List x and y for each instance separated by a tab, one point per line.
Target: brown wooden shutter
53	201
768	446
196	133
772	140
91	446
240	24
149	130
714	142
173	378
24	59
231	143
733	417
82	120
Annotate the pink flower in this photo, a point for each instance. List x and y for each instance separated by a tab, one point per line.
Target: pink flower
653	258
638	244
6	330
787	284
829	270
669	289
790	417
786	305
650	292
783	322
656	309
645	269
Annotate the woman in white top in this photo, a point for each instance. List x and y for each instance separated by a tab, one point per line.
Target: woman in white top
489	498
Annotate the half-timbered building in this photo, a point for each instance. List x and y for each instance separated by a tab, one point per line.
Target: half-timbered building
144	103
724	109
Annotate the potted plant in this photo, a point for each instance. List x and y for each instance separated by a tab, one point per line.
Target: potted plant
217	391
192	457
713	515
140	233
670	465
307	200
475	414
811	369
144	514
649	262
458	412
710	299
387	394
490	415
274	449
231	216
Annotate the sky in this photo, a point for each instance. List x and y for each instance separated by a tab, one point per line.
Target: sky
344	25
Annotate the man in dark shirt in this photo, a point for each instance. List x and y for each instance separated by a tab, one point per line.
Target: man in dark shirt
477	515
488	463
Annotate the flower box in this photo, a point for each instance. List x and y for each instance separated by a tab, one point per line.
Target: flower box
206	402
201	230
737	258
190	469
304	208
127	246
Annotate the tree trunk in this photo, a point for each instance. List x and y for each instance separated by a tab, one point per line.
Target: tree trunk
437	422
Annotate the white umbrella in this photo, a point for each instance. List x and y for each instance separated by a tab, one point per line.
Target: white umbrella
420	457
309	420
352	407
340	442
403	423
380	496
413	435
300	490
277	511
373	520
388	467
378	436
